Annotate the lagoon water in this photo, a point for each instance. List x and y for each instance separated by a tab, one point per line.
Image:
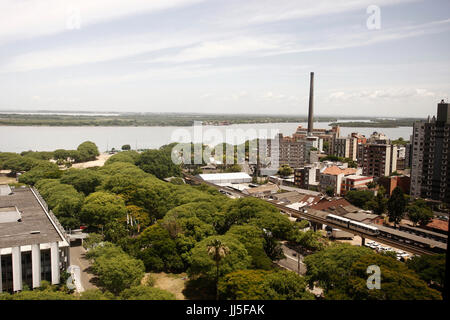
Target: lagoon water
18	139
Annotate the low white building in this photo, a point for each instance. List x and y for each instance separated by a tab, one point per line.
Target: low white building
223	178
33	245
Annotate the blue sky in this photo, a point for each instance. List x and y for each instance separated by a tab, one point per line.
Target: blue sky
224	56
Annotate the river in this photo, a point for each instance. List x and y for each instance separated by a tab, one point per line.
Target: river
18	139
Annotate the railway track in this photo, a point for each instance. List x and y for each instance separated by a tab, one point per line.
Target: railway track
312	218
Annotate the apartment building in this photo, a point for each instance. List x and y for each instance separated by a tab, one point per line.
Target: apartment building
430	166
378	160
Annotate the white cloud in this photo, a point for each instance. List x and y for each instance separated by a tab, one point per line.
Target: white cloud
95	51
389	93
233	46
31	18
251	12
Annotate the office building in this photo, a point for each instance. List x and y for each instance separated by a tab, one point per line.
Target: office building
33	245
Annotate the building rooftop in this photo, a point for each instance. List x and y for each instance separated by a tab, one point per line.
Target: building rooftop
361	216
224	176
335	170
35	227
327	204
4	190
264	188
9	214
410	236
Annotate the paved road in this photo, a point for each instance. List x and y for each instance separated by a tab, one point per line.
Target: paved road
291	261
77	257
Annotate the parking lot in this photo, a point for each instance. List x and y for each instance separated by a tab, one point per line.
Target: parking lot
400	254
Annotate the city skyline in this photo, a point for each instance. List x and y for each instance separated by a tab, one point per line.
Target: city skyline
224	57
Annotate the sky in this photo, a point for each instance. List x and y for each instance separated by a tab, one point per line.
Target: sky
370	58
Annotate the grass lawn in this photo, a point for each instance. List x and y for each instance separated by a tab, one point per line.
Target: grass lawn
171	282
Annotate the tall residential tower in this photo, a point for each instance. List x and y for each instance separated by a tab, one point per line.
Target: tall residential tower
430	168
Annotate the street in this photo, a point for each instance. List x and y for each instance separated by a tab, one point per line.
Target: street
291	261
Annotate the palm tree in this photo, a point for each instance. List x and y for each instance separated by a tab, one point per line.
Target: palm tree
217	250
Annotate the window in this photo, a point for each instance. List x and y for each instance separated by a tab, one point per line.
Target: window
7	274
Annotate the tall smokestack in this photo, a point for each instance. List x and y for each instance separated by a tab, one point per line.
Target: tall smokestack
311	105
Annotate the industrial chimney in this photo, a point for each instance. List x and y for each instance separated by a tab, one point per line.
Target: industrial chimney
311	105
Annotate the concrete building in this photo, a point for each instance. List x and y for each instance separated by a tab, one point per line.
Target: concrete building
378	160
430	166
354	182
290	151
346	147
307	176
378	137
33	245
333	176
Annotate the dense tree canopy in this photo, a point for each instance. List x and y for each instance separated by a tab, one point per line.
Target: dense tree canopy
63	200
263	285
430	268
85	180
116	270
158	163
100	208
397	282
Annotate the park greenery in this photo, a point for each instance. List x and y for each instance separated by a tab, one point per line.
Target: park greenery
139	223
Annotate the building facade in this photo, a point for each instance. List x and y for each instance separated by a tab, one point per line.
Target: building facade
378	160
430	167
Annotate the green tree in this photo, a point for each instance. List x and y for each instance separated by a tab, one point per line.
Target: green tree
419	212
397	281
263	285
251	237
379	203
126	147
88	151
100	208
84	180
125	156
330	267
63	200
44	170
396	206
116	270
158	250
217	251
430	268
158	163
201	264
359	198
285	171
